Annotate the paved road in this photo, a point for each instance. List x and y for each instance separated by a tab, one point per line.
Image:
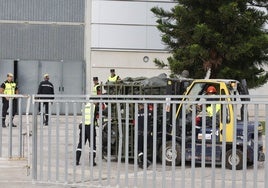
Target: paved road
14	172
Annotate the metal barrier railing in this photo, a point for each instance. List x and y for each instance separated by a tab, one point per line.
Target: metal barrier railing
179	144
12	137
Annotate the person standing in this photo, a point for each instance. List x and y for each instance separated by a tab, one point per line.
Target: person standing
45	88
87	117
9	87
113	78
97	87
141	136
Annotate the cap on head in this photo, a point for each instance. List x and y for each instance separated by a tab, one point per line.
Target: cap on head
10	75
112	70
211	89
46	75
95	79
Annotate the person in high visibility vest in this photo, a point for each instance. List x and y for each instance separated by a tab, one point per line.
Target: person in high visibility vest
88	115
113	78
9	87
97	87
211	90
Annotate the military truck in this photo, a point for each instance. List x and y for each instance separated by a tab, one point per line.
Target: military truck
158	85
223	129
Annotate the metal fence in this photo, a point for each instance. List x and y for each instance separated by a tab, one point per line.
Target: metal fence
182	153
13	140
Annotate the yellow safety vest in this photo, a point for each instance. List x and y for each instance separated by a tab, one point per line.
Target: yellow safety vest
210	109
95	89
113	79
88	114
10	88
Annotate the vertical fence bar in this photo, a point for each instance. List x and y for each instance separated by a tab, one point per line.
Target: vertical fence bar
92	128
20	129
145	123
174	134
203	155
193	146
74	139
255	156
223	163
49	141
57	140
234	149
245	140
213	164
164	147
101	121
155	152
120	145
34	142
136	145
28	134
10	102
66	142
183	145
126	144
41	139
109	145
83	145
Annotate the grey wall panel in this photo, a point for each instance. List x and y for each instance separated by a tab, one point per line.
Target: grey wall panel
42	42
126	12
126	37
43	10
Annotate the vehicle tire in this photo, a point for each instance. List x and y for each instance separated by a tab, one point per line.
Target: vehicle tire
168	153
238	160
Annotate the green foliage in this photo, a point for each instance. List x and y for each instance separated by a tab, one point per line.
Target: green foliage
226	36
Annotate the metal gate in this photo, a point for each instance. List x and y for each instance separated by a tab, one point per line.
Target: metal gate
201	163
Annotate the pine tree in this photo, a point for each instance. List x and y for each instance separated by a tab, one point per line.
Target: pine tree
225	36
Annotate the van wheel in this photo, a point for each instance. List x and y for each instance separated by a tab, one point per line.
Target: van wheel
238	159
168	153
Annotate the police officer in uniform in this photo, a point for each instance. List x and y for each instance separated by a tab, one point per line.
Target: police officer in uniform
97	87
87	117
45	88
9	87
113	78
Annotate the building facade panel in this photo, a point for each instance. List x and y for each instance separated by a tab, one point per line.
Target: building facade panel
43	10
128	25
49	42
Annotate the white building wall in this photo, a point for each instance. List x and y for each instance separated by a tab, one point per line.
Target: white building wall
122	33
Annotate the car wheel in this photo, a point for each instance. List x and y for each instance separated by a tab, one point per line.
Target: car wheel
168	153
238	159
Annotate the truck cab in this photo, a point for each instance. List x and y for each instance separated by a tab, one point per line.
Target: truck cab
221	126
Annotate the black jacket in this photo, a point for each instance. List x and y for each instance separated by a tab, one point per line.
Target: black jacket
46	88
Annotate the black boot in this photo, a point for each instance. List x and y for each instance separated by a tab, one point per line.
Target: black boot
78	155
4	124
94	156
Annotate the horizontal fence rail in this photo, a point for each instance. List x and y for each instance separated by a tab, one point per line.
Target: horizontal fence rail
141	140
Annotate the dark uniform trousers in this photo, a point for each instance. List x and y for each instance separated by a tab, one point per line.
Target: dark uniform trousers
6	107
87	138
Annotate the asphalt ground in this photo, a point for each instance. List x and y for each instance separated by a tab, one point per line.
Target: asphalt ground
16	172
